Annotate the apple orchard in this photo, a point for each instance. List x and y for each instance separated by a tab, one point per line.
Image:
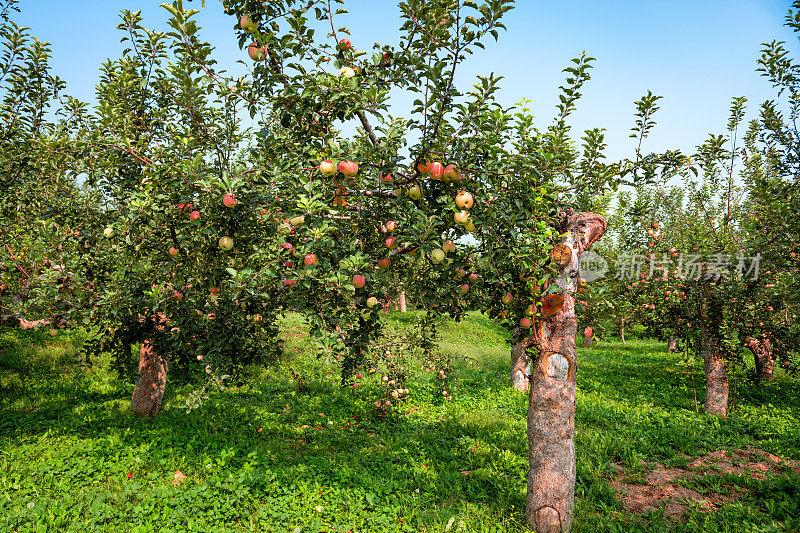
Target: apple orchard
191	234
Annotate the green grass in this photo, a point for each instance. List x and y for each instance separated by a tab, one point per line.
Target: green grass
262	457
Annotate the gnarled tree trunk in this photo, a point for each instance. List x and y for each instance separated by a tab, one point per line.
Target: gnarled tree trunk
672	343
149	390
403	301
551	408
716	371
520	362
762	353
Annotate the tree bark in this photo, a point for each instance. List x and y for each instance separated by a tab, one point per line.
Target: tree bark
403	301
762	354
149	390
520	362
716	371
672	343
622	334
551	409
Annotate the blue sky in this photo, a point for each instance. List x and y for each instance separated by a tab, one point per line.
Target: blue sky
696	54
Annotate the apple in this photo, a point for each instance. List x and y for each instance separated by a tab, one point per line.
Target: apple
298	220
588	332
436	170
284	228
256	52
473	277
108	232
345	44
460	273
247	24
423	167
310	259
173	251
194	215
387	178
391	226
347	72
437	256
287	246
507	298
448	247
359	281
415	192
530	310
327	167
229	200
464	288
525	323
384	263
391	242
226	243
461	218
470	227
289	282
214	290
53	332
451	173
464	200
348	168
372	302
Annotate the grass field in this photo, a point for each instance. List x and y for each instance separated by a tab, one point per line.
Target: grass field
267	456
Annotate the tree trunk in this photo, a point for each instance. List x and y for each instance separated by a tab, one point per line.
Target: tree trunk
403	301
672	343
622	334
520	362
762	354
551	408
714	363
149	390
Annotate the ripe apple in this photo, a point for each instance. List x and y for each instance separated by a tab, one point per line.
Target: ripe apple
384	263
348	168
310	259
359	281
464	200
247	24
391	242
462	218
173	251
256	52
108	232
287	246
372	302
423	167
391	226
473	277
194	215
436	170
437	256
226	243
464	288
345	44
448	247
229	200
347	72
451	173
327	167
387	178
507	298
525	323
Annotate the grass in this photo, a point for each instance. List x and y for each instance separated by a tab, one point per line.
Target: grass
267	456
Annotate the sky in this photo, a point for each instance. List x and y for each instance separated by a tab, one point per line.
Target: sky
697	54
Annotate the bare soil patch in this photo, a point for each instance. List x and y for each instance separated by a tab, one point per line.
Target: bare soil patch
664	488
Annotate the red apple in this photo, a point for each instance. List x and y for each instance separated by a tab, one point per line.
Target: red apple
451	173
348	168
391	226
173	251
384	263
310	259
507	298
327	167
473	277
247	24
464	200
422	167
359	281
345	44
448	247
387	178
256	52
194	215
436	170
287	246
525	323
289	282
464	288
588	332
229	200
391	242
